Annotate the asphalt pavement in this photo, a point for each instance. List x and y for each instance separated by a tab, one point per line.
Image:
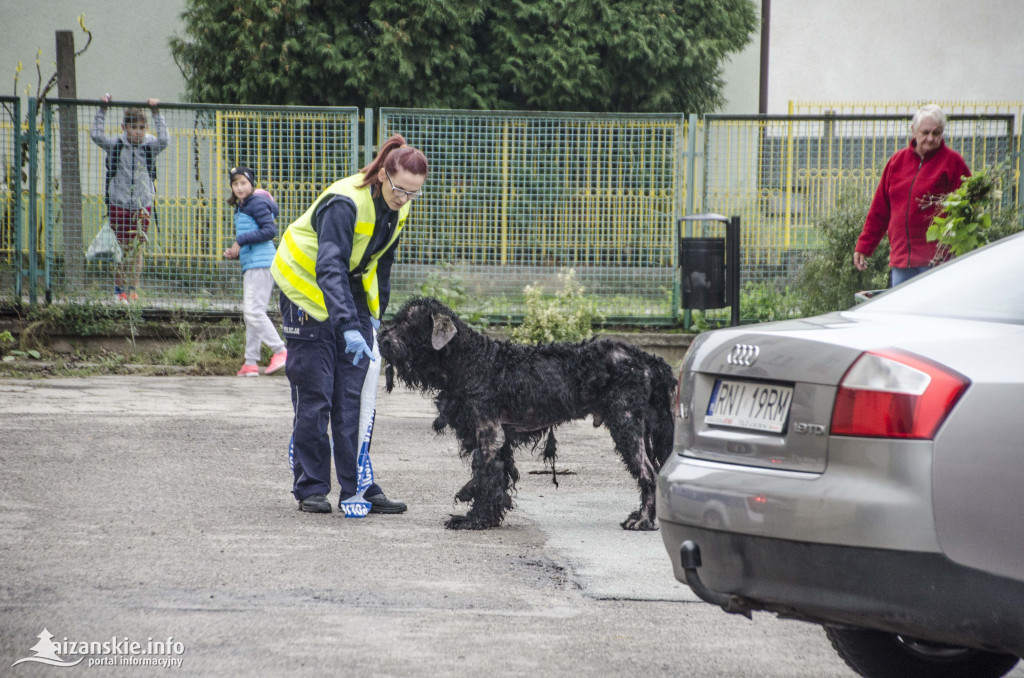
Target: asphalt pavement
157	511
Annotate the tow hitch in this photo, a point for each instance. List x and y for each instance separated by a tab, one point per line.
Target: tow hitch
689	559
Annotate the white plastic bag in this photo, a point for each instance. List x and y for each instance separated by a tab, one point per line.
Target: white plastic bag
104	247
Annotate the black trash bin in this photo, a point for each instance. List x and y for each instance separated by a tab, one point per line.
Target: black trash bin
702	263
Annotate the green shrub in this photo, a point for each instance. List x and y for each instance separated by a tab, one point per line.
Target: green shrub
448	287
764	302
760	302
567	316
829	279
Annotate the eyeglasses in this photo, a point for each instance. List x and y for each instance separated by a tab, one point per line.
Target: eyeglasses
402	193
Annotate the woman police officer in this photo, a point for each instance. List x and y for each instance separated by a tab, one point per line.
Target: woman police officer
334	267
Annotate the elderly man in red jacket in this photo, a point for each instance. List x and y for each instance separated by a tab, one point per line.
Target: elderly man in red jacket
901	206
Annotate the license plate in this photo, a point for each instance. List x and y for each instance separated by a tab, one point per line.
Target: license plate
760	407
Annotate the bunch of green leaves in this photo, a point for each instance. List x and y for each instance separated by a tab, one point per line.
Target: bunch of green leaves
9	353
568	315
966	217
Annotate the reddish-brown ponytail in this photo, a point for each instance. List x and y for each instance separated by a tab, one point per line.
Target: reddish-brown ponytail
394	154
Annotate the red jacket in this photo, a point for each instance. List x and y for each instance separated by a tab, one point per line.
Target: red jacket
896	208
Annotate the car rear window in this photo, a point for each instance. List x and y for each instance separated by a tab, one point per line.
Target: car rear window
983	285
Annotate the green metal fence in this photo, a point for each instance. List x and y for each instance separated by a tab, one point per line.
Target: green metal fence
516	198
513	198
783	174
295	153
10	199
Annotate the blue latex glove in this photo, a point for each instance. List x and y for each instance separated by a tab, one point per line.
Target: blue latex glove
354	343
375	323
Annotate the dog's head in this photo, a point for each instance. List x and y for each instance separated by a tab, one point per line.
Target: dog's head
416	341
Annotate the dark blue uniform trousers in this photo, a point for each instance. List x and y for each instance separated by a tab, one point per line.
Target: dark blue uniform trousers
325	389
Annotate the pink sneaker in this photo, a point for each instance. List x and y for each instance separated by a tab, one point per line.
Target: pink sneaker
249	371
277	362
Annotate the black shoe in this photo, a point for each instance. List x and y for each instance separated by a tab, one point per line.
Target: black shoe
381	504
315	503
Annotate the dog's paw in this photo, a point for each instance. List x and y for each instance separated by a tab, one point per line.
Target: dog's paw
465	495
465	523
440	424
635	522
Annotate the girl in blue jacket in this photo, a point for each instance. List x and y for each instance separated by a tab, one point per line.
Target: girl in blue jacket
255	229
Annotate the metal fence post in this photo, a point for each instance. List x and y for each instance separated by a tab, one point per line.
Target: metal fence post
72	245
18	212
691	187
368	145
732	255
32	137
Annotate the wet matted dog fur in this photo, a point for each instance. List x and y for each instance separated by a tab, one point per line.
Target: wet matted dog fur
498	396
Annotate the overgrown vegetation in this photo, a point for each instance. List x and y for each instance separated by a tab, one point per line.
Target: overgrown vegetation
197	345
86	319
448	287
760	302
567	315
7	351
829	279
216	349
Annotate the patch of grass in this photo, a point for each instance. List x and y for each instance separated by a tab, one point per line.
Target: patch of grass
217	349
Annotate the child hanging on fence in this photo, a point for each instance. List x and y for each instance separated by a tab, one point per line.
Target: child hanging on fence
255	228
130	185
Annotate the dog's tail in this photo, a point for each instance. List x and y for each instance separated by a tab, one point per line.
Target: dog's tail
660	424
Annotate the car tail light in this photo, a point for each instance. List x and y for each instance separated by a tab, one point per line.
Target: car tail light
893	394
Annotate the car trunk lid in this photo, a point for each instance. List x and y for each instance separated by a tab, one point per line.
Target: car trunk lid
762	399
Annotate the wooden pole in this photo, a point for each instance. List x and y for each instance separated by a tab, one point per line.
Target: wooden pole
70	180
766	16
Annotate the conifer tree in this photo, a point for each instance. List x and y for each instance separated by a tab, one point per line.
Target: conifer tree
579	55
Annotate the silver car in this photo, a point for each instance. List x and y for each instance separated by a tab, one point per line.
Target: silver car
864	470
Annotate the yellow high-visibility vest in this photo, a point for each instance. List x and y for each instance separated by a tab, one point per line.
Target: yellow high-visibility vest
294	266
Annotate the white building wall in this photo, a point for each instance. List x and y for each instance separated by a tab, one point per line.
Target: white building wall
871	50
129	56
819	49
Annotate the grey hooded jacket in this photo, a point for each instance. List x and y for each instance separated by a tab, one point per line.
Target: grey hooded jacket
130	186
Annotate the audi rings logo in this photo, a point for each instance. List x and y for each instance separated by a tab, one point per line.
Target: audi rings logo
743	354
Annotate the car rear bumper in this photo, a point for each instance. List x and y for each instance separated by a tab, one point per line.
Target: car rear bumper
922	595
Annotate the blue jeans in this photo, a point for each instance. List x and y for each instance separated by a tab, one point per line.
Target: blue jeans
901	275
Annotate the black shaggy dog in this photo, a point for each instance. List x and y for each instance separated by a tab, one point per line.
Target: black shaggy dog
498	396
